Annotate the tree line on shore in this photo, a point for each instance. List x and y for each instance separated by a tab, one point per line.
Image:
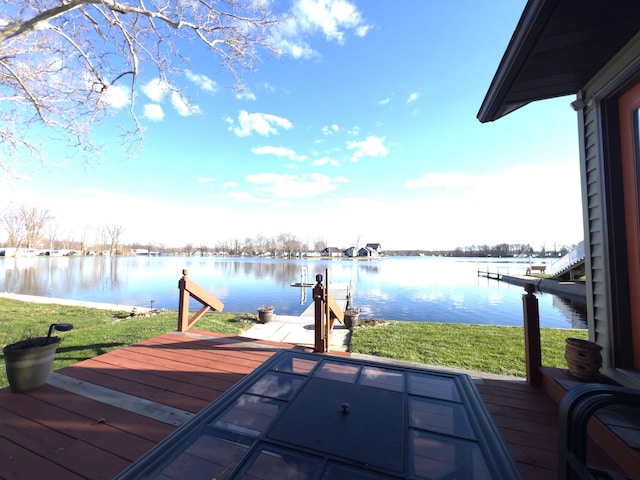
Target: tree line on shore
35	228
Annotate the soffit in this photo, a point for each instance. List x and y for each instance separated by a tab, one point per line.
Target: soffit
557	47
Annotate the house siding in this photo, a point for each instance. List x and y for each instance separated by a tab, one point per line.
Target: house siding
590	159
600	247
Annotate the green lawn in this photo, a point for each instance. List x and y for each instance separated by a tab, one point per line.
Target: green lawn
482	348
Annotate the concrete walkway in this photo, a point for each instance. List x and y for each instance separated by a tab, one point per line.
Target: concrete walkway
298	331
301	330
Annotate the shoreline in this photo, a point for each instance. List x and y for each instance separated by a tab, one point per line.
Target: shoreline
74	303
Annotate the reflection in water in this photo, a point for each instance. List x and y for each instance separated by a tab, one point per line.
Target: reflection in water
397	288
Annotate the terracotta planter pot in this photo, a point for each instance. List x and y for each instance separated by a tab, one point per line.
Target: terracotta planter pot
28	363
583	358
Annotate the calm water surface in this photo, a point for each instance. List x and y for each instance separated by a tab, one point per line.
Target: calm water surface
421	289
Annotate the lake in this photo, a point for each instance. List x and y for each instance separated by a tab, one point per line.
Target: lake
420	289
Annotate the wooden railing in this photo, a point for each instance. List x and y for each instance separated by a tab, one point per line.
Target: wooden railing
533	355
189	288
327	311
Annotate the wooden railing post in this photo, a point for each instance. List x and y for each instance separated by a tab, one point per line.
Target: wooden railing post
328	320
189	289
183	303
533	355
319	304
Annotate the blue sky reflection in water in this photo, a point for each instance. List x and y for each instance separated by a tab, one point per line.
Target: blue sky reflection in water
394	288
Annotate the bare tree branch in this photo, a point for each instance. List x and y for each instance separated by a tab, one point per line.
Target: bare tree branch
62	63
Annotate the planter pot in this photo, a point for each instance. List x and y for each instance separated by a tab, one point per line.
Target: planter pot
583	358
351	319
265	316
29	362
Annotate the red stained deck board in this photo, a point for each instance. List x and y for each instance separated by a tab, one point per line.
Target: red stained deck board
524	399
95	411
208	361
156	393
18	462
204	352
530	472
197	384
98	434
59	448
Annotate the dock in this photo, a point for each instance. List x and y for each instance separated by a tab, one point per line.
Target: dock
573	289
491	275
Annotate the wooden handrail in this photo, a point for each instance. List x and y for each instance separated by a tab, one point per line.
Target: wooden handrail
327	311
189	288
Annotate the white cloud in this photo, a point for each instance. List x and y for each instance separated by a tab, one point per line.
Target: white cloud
183	108
116	97
246	95
229	184
324	161
413	97
279	152
384	101
202	81
372	146
293	186
262	123
330	129
158	91
469	202
332	18
153	112
241	197
206	180
448	181
155	89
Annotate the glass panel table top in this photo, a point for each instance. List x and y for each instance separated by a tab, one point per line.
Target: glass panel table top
311	416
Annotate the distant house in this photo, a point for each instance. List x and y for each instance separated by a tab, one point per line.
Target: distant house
141	252
349	252
368	252
372	250
332	252
374	246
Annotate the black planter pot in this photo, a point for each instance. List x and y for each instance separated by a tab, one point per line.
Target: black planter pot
351	319
28	362
265	316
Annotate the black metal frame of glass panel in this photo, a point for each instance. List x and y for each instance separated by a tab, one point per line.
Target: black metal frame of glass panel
327	417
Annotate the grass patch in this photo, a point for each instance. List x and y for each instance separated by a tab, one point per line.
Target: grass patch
97	331
481	348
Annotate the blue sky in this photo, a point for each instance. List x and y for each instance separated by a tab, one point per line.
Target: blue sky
364	128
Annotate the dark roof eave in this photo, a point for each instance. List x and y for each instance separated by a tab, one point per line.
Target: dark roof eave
526	34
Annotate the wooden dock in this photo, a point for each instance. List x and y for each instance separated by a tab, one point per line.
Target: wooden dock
491	275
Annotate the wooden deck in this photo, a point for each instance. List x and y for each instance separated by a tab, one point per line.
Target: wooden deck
104	413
